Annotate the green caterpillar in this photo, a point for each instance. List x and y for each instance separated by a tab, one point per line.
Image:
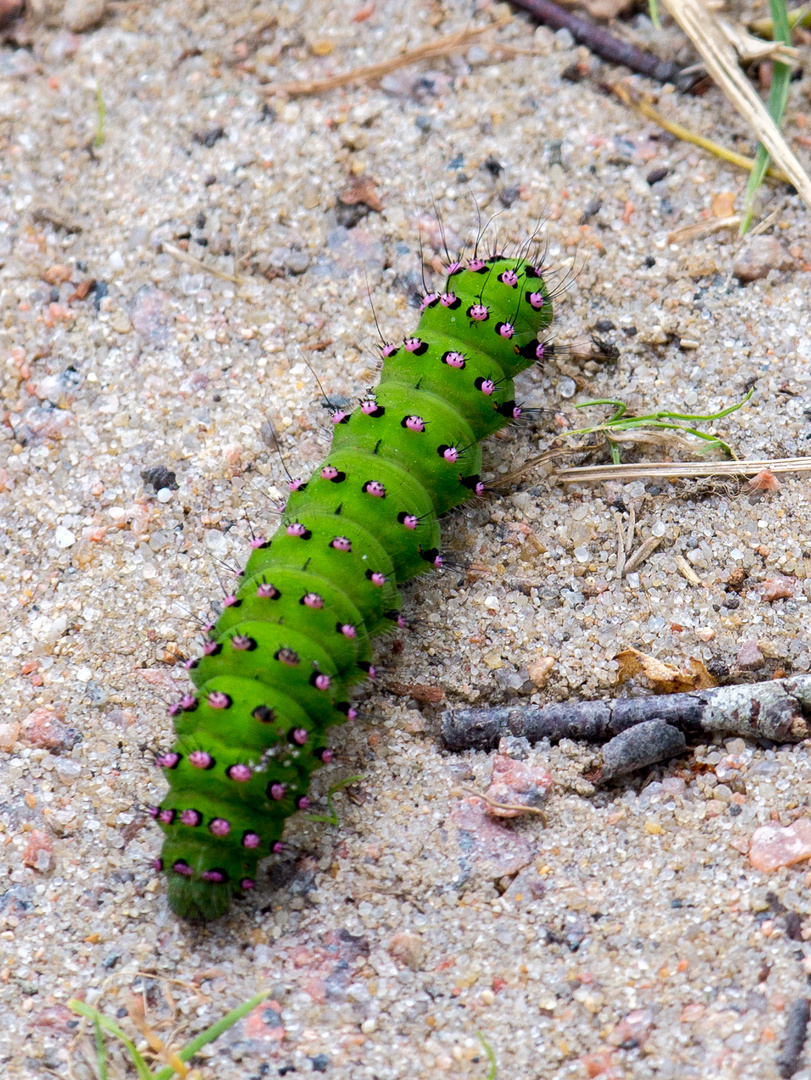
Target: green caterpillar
278	664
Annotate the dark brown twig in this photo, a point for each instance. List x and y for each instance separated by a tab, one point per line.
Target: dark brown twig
605	45
779	710
788	1060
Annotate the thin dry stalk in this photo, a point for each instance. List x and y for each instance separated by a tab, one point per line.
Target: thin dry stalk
722	64
441	47
683	133
667	469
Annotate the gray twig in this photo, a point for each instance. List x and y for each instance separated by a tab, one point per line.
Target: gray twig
779	710
788	1060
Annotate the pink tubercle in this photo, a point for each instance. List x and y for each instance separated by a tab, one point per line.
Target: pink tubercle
389	349
257	542
322	682
509	277
448	299
229	601
329	472
188	702
479	489
266	591
277	791
157	864
454	360
476	265
341	543
182	868
243	643
375	489
247	884
166	817
277	848
516	412
478	312
506	330
414	423
427	300
351	714
209	648
288	657
487	386
168	761
200	759
412	344
303	803
312	600
451	454
218	700
348	630
216	877
537	300
326	756
453	268
240	773
295	528
299	736
153	811
540	351
191	817
437	565
368	407
251	840
378	579
296	485
411	521
401	622
339	416
219	827
372	671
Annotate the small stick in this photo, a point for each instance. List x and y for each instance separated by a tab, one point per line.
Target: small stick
788	1060
779	710
440	47
605	45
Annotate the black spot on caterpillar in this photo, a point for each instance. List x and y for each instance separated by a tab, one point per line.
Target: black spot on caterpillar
278	665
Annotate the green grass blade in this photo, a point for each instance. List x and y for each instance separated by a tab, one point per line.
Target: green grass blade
332	817
491	1057
101	113
109	1025
101	1050
211	1034
778	99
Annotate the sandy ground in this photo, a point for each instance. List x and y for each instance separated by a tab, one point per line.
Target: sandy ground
391	940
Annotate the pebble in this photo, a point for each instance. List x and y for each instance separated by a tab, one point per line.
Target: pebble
772	847
407	949
540	670
149	316
82	15
516	784
8	735
38	853
44	729
486	848
779	588
633	1029
750	657
759	256
63	537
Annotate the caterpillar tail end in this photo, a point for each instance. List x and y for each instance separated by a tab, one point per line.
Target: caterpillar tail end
198	901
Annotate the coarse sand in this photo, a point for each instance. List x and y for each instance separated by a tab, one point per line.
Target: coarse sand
631	937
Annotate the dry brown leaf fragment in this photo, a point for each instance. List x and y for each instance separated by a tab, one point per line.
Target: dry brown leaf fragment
664	678
362	190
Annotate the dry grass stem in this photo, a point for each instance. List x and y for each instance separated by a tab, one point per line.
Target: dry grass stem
703	229
689	469
198	264
722	64
683	133
751	48
441	47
